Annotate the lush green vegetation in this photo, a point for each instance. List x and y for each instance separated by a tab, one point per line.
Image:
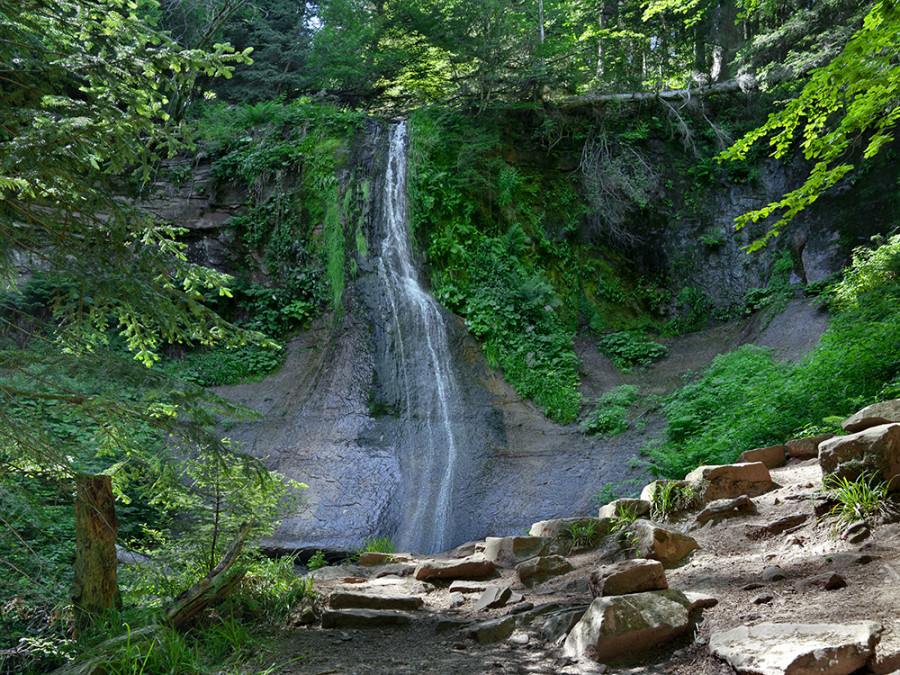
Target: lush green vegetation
748	398
610	413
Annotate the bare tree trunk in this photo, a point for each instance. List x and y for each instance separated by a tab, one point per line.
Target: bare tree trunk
95	589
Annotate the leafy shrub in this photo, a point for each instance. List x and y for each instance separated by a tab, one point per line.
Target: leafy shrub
317	561
618	490
227	366
610	411
627	349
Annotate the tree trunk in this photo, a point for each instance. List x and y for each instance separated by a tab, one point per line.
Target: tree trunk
94	590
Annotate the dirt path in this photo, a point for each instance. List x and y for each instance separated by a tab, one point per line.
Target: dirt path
728	566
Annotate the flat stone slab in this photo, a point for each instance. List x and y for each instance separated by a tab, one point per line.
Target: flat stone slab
350	600
806	447
493	596
363	618
720	509
797	649
473	567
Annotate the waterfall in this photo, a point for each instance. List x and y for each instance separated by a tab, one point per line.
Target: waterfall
417	335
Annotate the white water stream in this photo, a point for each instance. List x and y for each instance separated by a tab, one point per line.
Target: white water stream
419	338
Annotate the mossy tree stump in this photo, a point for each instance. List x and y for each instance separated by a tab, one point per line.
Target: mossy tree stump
95	589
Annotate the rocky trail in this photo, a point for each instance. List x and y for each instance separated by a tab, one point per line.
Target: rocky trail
750	579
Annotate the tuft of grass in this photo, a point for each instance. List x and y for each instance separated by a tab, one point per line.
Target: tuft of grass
859	499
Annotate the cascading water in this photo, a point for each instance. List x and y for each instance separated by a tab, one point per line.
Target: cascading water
417	336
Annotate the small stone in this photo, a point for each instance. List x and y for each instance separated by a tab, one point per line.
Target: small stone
519	637
456	599
773	573
830	581
762	599
495	630
857	532
752	586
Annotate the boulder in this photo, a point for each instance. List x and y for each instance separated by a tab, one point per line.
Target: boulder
730	480
369	558
806	448
797	649
510	551
493	596
351	600
627	507
473	567
624	624
557	624
874	452
494	630
658	542
875	415
720	509
466	586
363	618
536	570
628	576
772	457
557	526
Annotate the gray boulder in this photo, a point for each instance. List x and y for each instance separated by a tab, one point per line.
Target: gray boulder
658	542
625	624
510	551
886	412
558	526
536	570
874	452
730	480
628	576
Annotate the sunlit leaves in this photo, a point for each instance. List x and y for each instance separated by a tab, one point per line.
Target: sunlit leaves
854	102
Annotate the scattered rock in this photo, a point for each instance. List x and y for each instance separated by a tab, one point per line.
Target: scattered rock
829	581
467	549
456	600
662	543
773	573
510	551
363	618
369	558
762	599
772	457
395	569
350	600
777	526
467	586
627	506
445	625
536	570
557	625
304	613
699	601
847	559
557	526
623	624
856	532
519	637
797	649
629	576
494	630
807	447
752	586
493	596
721	509
730	480
885	412
473	567
873	452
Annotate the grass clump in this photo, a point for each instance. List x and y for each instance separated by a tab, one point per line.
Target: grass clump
610	413
860	499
